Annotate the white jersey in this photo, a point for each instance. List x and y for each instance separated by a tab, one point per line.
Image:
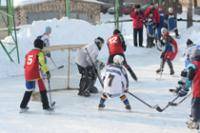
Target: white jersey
45	39
115	80
83	59
189	51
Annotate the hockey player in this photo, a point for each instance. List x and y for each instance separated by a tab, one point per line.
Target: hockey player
115	82
45	37
86	69
117	46
34	65
190	46
193	80
169	52
172	22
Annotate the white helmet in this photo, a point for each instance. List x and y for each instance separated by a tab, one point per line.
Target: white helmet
164	31
170	10
118	59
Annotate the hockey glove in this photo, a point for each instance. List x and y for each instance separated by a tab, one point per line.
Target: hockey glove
183	92
48	75
181	83
48	54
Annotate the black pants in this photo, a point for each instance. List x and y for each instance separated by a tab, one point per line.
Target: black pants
195	111
88	78
150	43
135	34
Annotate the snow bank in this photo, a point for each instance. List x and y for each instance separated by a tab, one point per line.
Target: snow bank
64	31
72	31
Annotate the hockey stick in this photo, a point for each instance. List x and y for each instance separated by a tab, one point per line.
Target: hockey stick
162	109
120	21
100	80
145	103
176	104
52	104
55	64
183	19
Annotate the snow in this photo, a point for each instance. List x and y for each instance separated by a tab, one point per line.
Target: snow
22	2
75	114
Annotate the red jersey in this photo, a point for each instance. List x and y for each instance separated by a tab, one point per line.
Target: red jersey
115	45
196	81
31	66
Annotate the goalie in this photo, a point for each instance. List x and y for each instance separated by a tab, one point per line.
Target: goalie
87	71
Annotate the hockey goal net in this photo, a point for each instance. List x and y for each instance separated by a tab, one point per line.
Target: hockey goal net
63	69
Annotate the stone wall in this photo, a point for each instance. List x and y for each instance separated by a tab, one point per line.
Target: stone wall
56	9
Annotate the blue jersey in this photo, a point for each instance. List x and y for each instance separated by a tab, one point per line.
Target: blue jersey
171	22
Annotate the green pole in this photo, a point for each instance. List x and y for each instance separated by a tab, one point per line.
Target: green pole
9	18
68	8
15	34
6	52
117	14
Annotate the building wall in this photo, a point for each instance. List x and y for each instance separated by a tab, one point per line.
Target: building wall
3	22
56	9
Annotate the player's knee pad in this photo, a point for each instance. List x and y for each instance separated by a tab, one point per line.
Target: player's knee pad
30	85
104	96
123	97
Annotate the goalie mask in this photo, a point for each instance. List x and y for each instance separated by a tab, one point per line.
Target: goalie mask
99	41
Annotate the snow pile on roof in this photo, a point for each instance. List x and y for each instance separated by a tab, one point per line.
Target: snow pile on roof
23	2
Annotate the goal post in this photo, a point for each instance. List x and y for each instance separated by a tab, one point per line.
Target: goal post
66	78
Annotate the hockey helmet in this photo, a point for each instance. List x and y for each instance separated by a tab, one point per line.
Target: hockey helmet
164	31
118	59
48	30
116	31
38	43
189	42
99	41
170	10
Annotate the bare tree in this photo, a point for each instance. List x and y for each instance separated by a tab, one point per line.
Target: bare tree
195	3
189	14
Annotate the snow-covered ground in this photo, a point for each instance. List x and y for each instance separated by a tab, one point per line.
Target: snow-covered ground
75	114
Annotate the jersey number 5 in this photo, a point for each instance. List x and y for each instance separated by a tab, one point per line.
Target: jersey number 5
30	60
110	77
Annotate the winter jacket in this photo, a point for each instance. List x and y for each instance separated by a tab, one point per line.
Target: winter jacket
161	23
116	44
156	17
196	80
137	18
83	59
34	62
171	48
171	22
